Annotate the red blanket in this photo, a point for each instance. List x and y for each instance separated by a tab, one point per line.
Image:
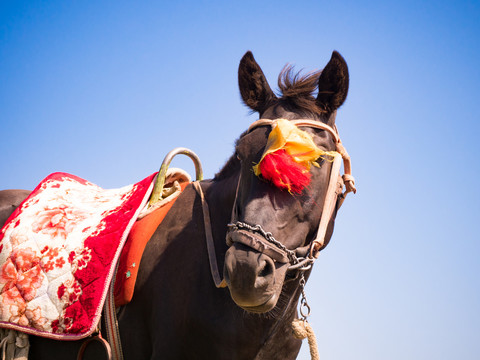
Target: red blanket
58	252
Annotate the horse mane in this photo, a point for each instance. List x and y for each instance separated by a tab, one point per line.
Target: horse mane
297	90
296	93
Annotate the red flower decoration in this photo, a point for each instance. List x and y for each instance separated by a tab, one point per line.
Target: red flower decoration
280	169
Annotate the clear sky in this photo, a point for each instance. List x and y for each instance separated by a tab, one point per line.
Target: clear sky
104	90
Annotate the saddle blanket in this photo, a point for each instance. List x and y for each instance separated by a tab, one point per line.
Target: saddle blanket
58	252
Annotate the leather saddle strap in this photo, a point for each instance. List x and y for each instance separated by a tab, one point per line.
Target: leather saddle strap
217	279
111	322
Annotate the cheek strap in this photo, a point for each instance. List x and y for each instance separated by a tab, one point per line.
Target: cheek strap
333	192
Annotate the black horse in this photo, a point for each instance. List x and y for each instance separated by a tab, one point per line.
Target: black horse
177	312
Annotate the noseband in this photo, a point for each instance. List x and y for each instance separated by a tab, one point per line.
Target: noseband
264	242
278	252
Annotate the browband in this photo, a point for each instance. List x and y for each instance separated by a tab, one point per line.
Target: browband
300	122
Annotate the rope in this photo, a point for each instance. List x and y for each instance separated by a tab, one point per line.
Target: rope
301	330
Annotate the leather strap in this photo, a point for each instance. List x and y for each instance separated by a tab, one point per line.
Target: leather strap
258	243
217	279
300	122
328	206
111	322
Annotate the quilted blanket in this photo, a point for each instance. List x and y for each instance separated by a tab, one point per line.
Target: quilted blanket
58	252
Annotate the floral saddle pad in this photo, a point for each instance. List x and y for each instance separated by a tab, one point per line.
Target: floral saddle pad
58	252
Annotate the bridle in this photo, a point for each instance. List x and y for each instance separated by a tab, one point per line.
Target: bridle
265	242
302	258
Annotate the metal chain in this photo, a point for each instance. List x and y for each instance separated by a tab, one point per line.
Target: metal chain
268	236
301	264
304	307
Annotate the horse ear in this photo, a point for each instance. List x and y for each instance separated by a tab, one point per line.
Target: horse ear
333	83
254	88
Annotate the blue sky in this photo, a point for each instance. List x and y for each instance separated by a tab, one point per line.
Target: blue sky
104	90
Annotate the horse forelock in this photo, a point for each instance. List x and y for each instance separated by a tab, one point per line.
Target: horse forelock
298	90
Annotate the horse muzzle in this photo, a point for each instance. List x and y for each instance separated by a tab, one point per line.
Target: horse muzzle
254	271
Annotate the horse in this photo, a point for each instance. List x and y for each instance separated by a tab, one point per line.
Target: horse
177	311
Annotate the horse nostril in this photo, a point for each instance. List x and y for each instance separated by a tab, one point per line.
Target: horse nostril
265	273
266	268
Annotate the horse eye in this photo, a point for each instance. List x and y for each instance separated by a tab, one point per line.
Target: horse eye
320	161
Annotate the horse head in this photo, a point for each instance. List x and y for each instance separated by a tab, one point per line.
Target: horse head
272	223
